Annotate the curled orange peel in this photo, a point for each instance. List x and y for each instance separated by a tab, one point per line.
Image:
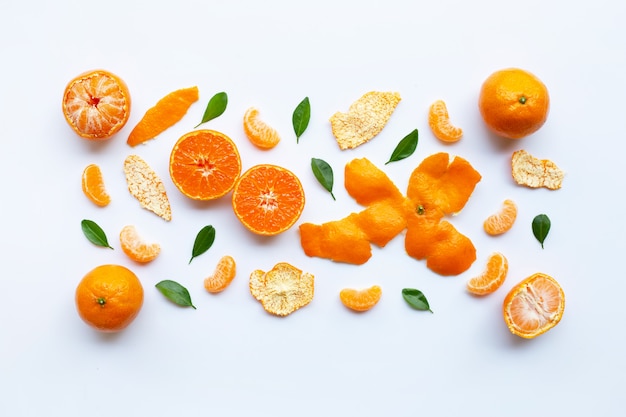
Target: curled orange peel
438	187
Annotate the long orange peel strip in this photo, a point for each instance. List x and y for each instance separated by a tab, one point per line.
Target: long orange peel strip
437	187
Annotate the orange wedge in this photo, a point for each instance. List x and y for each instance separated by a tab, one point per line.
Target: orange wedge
492	278
223	275
501	222
93	185
439	122
361	300
258	132
136	248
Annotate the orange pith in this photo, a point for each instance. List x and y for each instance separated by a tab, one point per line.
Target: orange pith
96	104
224	274
205	164
135	247
503	220
93	185
534	306
109	297
166	113
439	122
268	199
492	278
513	103
360	300
258	132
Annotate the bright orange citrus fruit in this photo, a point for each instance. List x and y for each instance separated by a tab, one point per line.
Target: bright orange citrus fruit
268	199
534	306
93	185
224	274
205	164
258	132
492	278
109	297
360	300
439	122
514	103
96	104
136	248
502	221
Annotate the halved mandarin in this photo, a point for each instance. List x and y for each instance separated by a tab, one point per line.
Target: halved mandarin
268	199
205	164
258	132
534	306
439	122
222	277
136	248
492	278
96	104
93	185
502	221
360	299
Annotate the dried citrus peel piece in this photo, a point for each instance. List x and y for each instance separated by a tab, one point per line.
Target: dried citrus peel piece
365	118
283	289
146	186
224	274
533	172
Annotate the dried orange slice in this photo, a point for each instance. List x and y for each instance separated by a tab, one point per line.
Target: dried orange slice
439	122
268	199
534	306
205	164
224	274
136	248
360	300
258	132
502	221
166	113
492	278
93	185
283	289
146	186
96	104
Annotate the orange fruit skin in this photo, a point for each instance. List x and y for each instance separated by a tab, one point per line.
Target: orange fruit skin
268	199
205	164
513	103
96	104
165	114
360	300
534	306
109	297
93	185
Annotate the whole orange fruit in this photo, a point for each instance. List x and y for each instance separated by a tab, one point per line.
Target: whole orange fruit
514	103
109	297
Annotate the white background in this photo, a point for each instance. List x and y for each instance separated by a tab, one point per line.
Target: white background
229	357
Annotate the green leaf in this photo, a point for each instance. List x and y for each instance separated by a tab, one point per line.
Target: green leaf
215	108
416	299
405	147
204	240
541	227
175	293
300	118
94	233
324	174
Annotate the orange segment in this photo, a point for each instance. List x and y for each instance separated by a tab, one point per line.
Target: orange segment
258	132
166	113
224	274
268	199
501	222
360	300
439	122
534	306
492	278
205	164
96	104
93	185
136	248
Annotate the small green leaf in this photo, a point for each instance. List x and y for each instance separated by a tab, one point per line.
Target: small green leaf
324	174
416	299
541	227
175	293
94	233
300	118
405	147
215	108
204	240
